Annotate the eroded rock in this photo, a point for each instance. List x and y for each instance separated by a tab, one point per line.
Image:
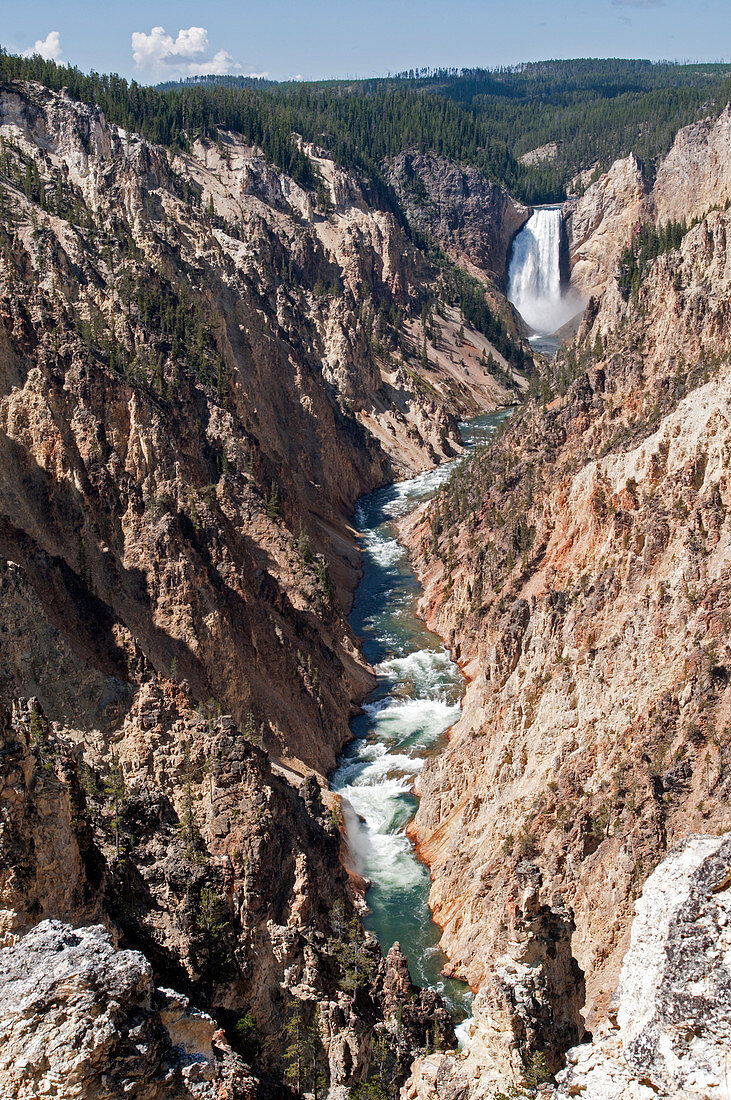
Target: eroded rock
79	1018
669	1034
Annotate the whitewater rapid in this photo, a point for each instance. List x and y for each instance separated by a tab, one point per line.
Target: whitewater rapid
403	721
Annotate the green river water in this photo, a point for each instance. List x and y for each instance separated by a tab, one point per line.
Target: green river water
403	722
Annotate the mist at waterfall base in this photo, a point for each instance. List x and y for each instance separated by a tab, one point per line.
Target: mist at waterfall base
403	721
534	275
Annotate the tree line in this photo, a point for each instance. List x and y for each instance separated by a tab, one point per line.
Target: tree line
593	110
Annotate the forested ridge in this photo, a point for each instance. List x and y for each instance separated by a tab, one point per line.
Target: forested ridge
593	110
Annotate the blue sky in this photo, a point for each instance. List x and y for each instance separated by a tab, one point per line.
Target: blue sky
323	38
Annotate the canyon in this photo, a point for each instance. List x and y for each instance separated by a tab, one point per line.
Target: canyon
204	365
199	380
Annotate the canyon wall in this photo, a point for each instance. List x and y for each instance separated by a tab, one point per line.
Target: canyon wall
600	223
579	570
693	179
197	385
202	366
472	218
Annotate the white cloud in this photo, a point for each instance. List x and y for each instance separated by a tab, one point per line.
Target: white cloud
190	54
49	47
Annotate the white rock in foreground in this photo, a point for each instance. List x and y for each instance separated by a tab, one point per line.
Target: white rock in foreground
671	1035
79	1018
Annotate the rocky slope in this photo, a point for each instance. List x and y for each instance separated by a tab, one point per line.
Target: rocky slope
472	218
527	1012
600	223
79	1019
187	847
579	569
668	1035
197	386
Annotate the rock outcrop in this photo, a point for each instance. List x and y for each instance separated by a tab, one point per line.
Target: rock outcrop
693	179
600	223
472	218
669	1033
527	1013
81	1019
695	176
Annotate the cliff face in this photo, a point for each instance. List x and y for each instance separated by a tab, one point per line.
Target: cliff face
528	1010
47	866
197	385
696	173
669	1030
473	219
580	570
693	179
600	223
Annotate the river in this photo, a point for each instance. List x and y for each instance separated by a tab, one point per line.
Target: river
403	723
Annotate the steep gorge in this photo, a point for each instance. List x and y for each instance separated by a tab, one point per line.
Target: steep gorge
203	366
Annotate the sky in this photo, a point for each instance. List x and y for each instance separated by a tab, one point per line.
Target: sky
154	40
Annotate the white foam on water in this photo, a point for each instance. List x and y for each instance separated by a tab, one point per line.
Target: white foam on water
421	687
387	767
430	671
376	851
400	720
383	551
407	493
379	806
463	1032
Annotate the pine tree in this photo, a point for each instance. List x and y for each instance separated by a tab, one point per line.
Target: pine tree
212	923
349	946
272	502
303	1055
115	791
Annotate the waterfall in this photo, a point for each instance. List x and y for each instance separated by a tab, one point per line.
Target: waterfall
534	276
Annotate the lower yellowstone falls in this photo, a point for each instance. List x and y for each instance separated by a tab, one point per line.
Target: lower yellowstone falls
403	722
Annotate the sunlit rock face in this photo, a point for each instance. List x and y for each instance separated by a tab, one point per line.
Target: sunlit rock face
581	573
692	180
669	1033
473	218
81	1019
